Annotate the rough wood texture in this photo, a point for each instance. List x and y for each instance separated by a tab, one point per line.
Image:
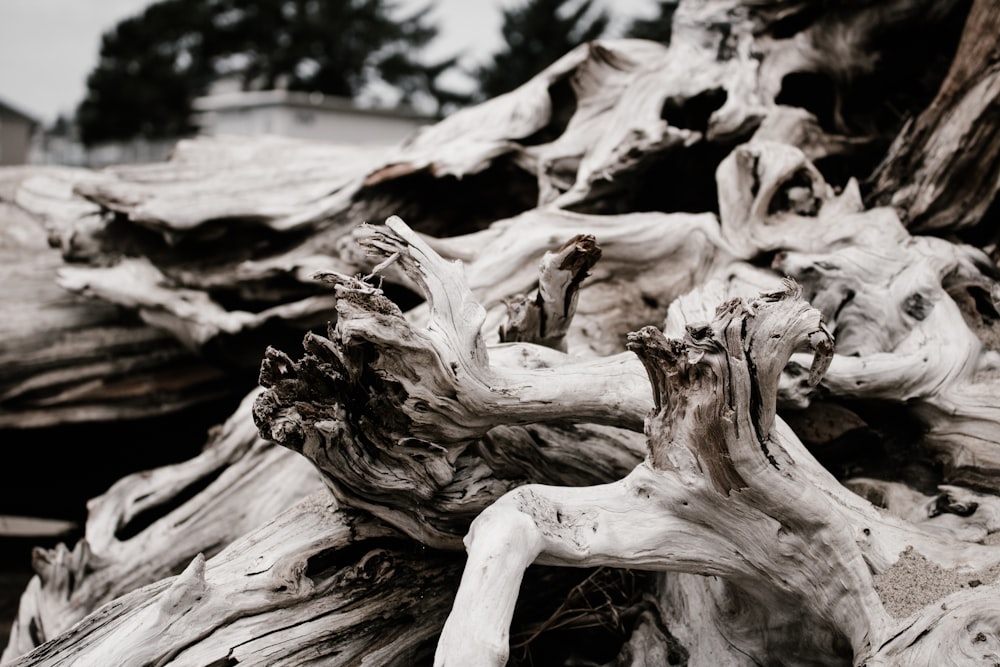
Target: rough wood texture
73	359
469	366
942	172
545	317
150	525
721	493
399	419
315	583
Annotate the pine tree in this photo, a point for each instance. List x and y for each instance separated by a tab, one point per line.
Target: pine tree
148	73
153	66
536	34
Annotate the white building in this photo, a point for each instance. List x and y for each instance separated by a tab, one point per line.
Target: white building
305	116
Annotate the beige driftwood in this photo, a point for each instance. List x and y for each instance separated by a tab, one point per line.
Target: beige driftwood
690	173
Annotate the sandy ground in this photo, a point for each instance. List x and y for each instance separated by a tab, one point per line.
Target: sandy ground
914	582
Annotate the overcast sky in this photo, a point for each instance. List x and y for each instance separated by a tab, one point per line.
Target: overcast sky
47	47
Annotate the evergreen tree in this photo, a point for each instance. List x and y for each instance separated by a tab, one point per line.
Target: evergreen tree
536	34
148	73
656	28
154	65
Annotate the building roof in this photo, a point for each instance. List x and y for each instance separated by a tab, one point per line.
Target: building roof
248	99
14	111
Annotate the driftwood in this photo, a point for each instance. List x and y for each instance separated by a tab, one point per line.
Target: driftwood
926	171
779	534
664	308
307	587
151	525
69	359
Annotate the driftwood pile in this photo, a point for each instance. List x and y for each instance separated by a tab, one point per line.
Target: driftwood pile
714	324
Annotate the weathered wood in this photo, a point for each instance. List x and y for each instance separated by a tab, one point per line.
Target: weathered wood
314	583
421	416
639	98
942	172
728	497
436	279
456	338
149	526
379	400
69	359
545	317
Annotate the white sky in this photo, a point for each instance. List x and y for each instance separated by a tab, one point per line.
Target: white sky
47	47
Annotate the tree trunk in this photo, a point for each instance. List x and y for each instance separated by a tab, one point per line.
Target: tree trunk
637	317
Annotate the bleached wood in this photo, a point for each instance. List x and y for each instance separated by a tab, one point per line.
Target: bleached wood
729	497
69	359
273	181
545	317
239	228
149	526
438	394
314	583
190	315
901	336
